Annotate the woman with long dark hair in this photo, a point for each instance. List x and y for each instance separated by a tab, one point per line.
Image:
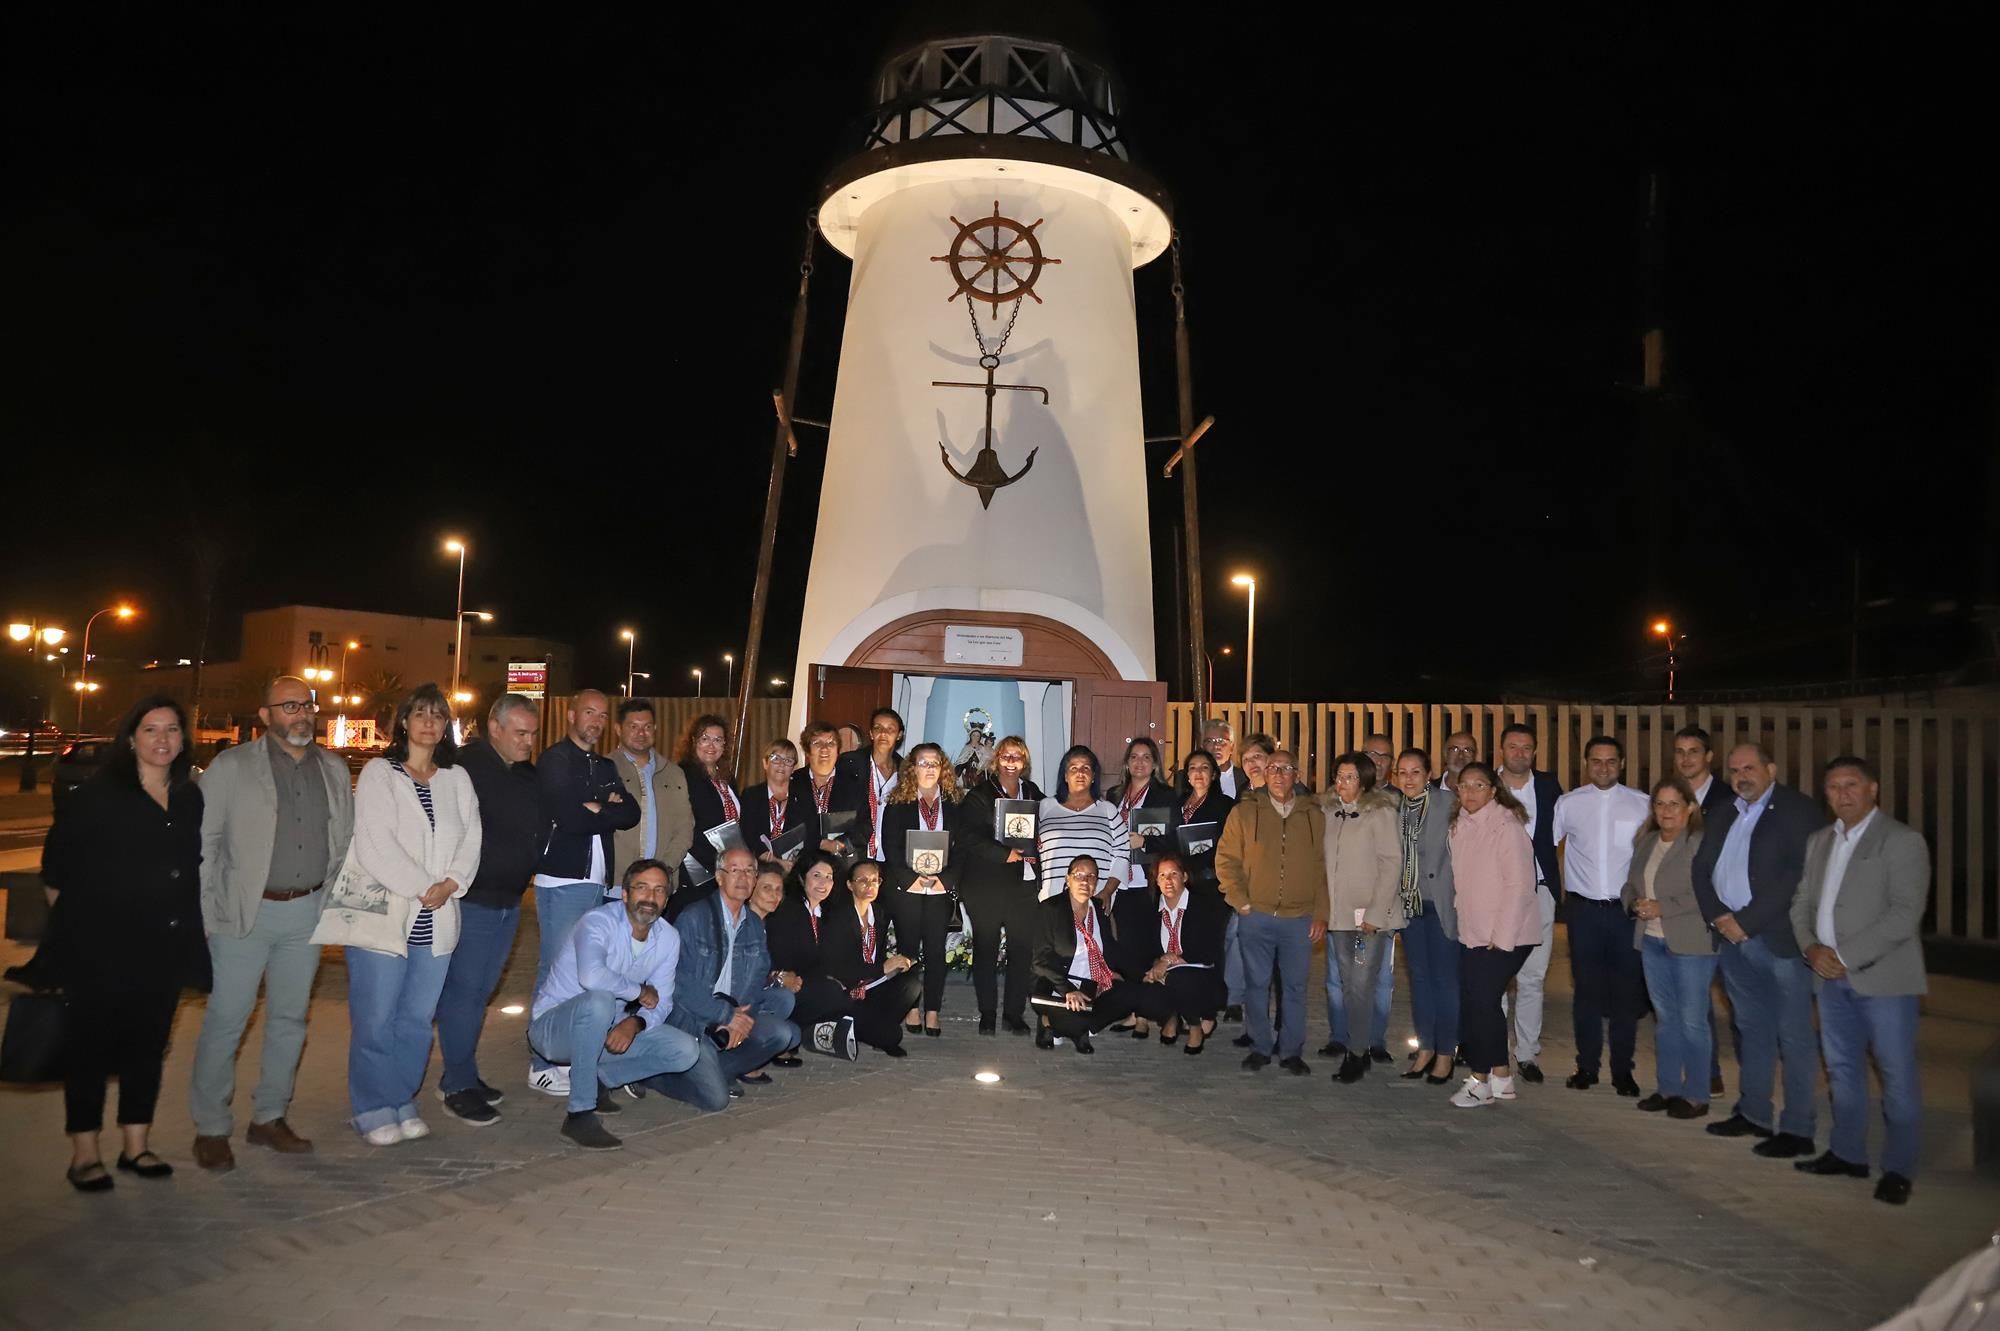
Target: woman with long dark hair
1078	821
999	886
124	860
925	800
704	756
854	954
417	838
1139	788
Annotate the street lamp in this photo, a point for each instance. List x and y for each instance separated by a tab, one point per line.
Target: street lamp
1249	649
351	645
729	680
457	547
697	681
83	673
777	683
1664	629
631	647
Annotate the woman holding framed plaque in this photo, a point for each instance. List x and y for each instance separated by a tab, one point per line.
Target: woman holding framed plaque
703	754
921	870
1146	806
998	883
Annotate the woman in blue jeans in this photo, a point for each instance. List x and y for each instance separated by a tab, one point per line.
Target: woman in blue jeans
416	835
1676	948
1431	951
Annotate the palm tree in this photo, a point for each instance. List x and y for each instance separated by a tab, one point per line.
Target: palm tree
380	693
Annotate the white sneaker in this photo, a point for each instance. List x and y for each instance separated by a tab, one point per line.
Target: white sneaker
1502	1087
414	1129
389	1134
1473	1094
551	1080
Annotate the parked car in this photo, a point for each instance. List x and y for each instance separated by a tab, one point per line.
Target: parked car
78	763
14	740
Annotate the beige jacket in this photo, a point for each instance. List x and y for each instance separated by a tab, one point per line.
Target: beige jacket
1275	866
669	801
1364	863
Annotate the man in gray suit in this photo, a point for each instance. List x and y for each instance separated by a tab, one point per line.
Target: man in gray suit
276	819
1856	919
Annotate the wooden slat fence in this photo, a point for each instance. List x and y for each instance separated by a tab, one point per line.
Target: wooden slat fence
1937	764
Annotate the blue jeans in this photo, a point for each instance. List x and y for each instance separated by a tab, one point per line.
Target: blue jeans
390	1003
1772	996
1384	995
1270	943
1851	1027
557	909
1232	961
702	1084
573	1033
1683	1042
1433	964
485	939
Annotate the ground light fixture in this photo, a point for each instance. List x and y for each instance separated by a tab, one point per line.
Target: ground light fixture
512	1010
986	1077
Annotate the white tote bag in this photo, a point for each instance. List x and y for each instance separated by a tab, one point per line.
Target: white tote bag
360	912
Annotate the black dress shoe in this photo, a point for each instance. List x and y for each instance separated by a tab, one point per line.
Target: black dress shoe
1168	1039
1234	1012
1195	1048
1626	1087
1295	1065
988	1025
1014	1025
1893	1189
1784	1146
1243	1041
1083	1045
1045	1038
1831	1164
1440	1078
892	1051
912	1027
1737	1126
1581	1081
1352	1069
1333	1049
1419	1069
90	1177
935	1032
1655	1103
1679	1108
1531	1073
145	1165
1380	1054
1254	1062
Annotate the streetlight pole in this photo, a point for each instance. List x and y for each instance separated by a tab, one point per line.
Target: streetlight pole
37	637
631	647
697	681
458	615
351	645
729	683
1249	651
83	672
1665	629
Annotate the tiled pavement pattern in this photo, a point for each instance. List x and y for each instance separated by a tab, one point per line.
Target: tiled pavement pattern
1137	1187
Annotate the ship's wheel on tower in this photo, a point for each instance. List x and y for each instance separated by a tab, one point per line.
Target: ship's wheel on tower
982	541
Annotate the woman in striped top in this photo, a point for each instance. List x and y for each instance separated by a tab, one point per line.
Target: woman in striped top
416	834
1078	822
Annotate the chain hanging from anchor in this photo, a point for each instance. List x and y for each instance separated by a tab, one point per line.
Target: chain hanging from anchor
989	358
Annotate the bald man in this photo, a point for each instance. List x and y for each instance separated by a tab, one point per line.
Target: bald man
584	807
1460	748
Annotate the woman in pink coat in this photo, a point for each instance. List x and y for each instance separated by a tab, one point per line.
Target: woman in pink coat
1493	870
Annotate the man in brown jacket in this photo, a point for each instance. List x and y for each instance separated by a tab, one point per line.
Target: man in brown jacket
1271	861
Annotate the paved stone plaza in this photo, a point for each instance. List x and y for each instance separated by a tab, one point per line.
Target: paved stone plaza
1134	1188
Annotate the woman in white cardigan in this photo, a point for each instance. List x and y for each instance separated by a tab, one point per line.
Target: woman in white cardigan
416	834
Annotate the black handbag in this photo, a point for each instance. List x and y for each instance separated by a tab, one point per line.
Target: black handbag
31	1050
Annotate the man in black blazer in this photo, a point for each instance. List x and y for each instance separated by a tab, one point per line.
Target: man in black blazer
1694	759
1538	792
1746	873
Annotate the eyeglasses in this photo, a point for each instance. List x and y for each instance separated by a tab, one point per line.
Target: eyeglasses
290	708
927	765
1457	748
781	760
1280	767
824	743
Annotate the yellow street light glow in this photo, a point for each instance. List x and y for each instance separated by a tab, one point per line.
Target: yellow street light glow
512	1010
353	646
1660	626
1243	580
455	547
987	1078
777	683
125	612
52	636
483	616
461	696
626	635
20	632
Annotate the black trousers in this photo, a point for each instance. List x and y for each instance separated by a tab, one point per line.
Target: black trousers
1610	981
118	1027
1132	912
878	1017
1483	976
994	909
921	925
1123	999
1194	993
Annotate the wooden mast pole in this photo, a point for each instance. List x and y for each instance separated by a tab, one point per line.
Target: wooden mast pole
1190	508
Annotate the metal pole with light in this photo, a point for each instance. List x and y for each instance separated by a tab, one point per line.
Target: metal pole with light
83	674
1665	629
483	616
697	681
458	615
351	645
729	681
1249	651
35	636
631	647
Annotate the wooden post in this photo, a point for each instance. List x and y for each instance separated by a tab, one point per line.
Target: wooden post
1190	507
760	592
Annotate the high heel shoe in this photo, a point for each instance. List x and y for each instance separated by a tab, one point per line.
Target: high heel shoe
1193	1048
935	1032
1419	1069
1439	1079
1166	1038
912	1027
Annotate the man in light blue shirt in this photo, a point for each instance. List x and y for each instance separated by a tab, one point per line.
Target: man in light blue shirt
603	1007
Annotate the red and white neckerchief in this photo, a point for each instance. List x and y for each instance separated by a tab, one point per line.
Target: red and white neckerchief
1187	810
1129	802
1170	921
812	913
1100	970
868	936
728	796
778	810
822	795
875	793
931	811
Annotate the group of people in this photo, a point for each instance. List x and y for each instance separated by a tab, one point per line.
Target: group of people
694	935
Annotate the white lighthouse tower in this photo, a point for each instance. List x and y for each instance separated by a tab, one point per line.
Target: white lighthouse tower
982	543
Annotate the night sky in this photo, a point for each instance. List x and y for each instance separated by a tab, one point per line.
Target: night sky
295	296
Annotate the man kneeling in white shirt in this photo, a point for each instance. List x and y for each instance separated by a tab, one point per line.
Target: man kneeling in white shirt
603	1007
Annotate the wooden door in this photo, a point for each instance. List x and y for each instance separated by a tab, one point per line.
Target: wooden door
843	695
1111	713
